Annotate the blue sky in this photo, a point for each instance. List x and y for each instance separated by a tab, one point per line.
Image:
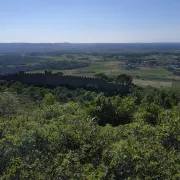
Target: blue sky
90	21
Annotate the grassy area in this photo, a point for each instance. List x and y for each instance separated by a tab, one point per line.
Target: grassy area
33	64
155	71
152	83
11	66
57	58
145	76
76	57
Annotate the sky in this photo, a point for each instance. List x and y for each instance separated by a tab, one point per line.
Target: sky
89	21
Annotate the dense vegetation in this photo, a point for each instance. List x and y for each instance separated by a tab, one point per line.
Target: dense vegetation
78	134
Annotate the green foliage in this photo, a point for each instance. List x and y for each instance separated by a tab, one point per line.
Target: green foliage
124	80
59	73
113	110
166	98
49	99
128	160
148	113
8	104
77	134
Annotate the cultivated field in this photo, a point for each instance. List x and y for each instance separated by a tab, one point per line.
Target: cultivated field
143	76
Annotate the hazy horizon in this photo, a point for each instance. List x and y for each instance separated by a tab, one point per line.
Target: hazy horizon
90	21
90	42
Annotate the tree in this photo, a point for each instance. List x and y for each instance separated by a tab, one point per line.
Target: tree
49	99
8	104
59	73
48	72
114	110
124	80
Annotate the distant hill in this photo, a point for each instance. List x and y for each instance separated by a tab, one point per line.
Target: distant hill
85	47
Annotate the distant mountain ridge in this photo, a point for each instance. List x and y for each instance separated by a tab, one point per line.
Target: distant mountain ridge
84	47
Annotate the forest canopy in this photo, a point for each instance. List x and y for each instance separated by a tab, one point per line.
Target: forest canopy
79	134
